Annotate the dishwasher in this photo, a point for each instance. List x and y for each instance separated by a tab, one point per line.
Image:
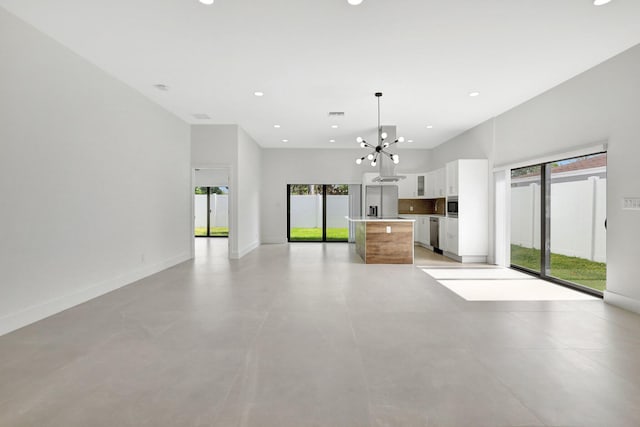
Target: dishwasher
434	233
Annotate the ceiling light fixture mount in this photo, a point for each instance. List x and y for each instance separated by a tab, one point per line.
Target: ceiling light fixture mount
354	2
600	2
379	150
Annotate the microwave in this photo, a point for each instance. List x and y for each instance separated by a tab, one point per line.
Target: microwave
452	207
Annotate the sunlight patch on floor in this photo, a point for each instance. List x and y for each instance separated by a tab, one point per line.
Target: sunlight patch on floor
501	284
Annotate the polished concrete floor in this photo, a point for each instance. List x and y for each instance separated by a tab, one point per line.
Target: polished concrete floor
306	335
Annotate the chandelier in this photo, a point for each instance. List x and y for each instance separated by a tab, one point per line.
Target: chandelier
380	149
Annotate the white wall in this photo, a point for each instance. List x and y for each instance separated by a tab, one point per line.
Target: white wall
314	166
111	167
248	200
599	105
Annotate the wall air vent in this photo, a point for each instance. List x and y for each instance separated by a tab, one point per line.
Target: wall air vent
201	116
336	113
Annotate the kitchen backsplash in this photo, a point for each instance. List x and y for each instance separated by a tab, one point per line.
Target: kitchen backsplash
422	206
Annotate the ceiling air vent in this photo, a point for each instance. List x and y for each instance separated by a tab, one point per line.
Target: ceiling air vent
336	113
201	116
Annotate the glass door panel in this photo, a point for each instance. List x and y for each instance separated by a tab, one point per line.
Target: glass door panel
525	217
219	212
337	208
306	213
577	233
200	210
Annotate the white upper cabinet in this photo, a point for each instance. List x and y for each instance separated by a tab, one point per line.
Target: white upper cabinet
421	187
440	190
452	178
435	186
408	187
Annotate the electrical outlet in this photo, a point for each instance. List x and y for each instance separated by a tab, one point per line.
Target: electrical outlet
410	208
388	229
631	203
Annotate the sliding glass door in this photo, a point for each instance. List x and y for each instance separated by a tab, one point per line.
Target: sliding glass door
211	211
558	221
317	213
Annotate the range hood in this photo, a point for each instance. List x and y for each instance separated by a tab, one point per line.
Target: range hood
392	178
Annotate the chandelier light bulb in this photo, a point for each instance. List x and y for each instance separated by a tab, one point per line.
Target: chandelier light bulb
385	145
363	145
384	135
358	161
359	139
401	139
396	159
373	163
370	157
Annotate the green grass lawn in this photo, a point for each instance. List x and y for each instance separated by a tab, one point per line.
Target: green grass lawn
333	234
572	269
215	231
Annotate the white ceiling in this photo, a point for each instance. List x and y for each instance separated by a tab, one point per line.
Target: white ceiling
310	57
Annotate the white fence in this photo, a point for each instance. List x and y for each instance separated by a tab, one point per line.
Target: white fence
306	211
578	212
219	210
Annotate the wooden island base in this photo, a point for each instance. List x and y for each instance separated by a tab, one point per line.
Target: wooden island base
378	246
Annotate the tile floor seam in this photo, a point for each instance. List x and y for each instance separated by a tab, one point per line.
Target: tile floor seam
362	367
241	370
509	389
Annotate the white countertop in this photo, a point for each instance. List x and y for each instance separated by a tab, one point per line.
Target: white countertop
374	219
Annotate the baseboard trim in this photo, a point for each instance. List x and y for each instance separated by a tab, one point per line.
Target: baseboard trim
273	240
622	301
474	259
239	254
41	311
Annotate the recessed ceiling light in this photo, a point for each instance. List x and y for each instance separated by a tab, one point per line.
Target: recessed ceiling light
411	140
258	93
334	126
332	140
600	2
161	87
354	2
473	94
207	2
276	126
430	127
285	140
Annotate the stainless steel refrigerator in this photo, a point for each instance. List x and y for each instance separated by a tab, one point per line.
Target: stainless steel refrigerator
381	201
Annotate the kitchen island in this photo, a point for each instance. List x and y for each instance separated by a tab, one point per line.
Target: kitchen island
384	240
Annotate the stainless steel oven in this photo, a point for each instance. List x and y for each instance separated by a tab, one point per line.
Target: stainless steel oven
452	207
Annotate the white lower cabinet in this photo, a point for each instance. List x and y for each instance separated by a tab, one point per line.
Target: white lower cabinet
452	242
425	230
